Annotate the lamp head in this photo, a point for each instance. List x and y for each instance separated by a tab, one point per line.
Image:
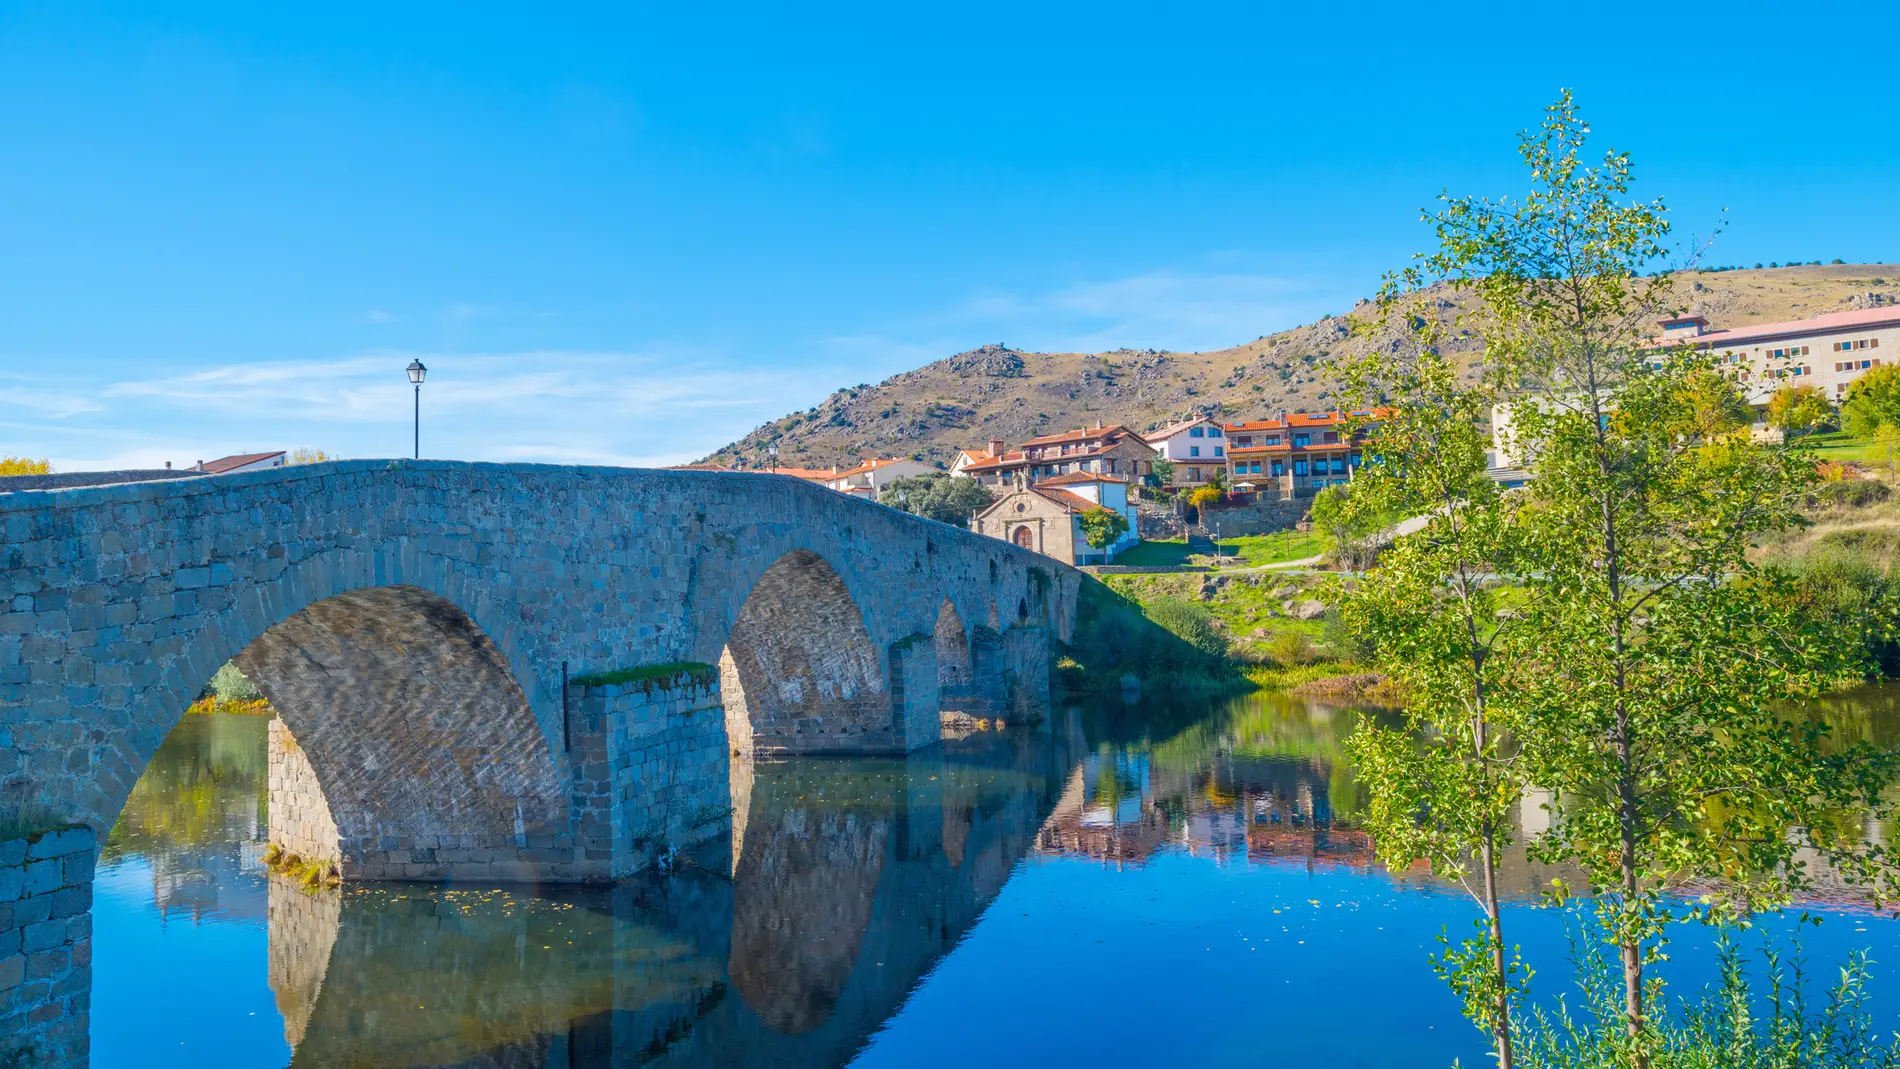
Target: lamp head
417	371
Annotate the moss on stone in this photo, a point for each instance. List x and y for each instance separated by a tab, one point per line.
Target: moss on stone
653	675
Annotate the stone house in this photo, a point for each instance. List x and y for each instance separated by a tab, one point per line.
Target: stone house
1047	517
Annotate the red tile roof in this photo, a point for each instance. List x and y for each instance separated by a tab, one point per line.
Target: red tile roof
1829	323
1077	478
869	465
1072	502
231	463
1083	434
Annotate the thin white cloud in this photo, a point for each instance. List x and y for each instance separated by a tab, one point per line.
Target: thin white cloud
1162	309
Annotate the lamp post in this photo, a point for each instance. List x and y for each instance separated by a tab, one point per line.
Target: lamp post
416	372
771	452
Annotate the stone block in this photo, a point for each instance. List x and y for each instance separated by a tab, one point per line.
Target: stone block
12	971
44	877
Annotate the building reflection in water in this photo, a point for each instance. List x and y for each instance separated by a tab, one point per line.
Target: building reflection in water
846	881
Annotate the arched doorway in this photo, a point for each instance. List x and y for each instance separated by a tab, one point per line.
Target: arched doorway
1024	537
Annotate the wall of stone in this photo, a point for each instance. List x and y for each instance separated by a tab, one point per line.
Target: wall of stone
300	820
46	945
653	766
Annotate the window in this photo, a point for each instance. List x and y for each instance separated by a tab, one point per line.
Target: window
1301	441
1213	432
1194	450
1194	475
1254	469
1339	465
1194	432
1299	467
1273	439
1330	436
1279	467
1243	442
1858	343
1219	451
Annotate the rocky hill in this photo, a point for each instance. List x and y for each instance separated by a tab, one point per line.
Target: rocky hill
993	392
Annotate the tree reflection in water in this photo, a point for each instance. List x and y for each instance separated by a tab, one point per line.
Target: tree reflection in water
847	882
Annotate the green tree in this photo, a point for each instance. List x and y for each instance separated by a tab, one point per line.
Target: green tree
1103	527
1163	473
940	496
1796	410
1661	648
1203	496
1713	405
1639	667
1872	399
1348	524
1442	781
1887	436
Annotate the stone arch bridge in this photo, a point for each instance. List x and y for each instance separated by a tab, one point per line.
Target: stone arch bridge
498	671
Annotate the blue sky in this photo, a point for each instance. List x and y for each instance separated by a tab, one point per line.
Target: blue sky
628	233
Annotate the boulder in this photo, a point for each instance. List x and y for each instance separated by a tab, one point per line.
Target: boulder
1309	609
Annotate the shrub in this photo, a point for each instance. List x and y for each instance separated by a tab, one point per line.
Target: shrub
231	685
1290	648
1852	493
1188	622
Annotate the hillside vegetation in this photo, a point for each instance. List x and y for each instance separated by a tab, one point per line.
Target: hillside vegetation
995	392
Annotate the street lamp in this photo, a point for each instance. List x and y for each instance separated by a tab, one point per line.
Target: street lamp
416	372
771	451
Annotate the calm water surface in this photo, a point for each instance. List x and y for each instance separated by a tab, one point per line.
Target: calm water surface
1136	885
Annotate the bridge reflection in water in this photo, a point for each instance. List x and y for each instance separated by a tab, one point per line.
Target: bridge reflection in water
850	878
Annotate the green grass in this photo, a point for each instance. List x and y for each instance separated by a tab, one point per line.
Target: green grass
1839	445
1242	551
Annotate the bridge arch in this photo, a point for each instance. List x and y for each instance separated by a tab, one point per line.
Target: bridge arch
799	672
405	747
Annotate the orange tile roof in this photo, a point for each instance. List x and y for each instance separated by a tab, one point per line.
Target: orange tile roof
1307	419
814	474
990	461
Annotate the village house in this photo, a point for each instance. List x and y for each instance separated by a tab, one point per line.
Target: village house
1100	450
241	462
870	478
1196	448
1296	455
1047	516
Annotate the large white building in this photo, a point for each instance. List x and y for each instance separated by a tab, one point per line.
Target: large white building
1829	351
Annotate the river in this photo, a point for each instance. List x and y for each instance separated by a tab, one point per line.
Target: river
1131	884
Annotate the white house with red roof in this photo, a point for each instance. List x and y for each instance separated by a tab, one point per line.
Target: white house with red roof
1197	449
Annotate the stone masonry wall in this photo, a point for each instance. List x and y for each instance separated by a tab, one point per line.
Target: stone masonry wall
665	769
46	946
300	819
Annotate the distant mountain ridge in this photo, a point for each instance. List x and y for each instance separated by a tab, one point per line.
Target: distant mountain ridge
993	391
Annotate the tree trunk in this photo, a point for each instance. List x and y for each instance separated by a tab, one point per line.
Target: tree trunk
1501	1031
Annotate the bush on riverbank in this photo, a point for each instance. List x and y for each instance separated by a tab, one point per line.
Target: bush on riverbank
1166	641
230	691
